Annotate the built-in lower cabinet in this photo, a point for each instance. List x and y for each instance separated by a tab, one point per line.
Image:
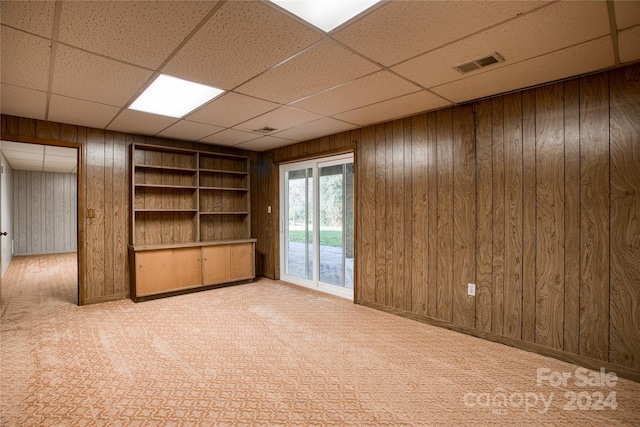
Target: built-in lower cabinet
159	270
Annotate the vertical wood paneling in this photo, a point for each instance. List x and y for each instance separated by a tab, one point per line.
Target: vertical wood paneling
419	217
497	126
108	213
484	238
39	210
95	197
464	215
407	294
398	197
120	214
624	343
68	207
513	216
20	205
445	216
380	214
594	170
432	230
529	215
571	215
366	211
389	219
550	216
49	213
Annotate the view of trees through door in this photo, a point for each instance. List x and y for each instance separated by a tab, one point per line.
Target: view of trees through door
320	257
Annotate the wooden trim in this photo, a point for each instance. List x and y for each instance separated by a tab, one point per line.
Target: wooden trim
587	362
319	155
189	244
149	297
39	141
109	298
81	221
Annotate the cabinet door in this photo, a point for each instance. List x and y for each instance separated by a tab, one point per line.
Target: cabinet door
215	264
242	263
167	270
151	272
186	269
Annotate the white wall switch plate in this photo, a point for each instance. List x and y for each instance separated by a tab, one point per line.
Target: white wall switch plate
471	289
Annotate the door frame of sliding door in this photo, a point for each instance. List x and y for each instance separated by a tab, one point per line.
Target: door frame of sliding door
315	164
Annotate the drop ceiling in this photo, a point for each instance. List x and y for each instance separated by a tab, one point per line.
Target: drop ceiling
35	157
84	63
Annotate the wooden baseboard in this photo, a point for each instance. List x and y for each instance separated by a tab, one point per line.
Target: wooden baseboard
107	298
576	359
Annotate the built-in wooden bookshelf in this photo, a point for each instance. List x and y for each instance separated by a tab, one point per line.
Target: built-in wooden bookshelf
188	202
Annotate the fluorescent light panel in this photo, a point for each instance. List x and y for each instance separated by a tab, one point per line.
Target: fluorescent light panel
326	14
174	97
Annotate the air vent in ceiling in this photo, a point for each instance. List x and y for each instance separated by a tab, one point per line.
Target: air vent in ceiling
265	129
493	58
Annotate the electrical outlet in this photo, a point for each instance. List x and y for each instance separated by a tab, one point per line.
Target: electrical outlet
471	289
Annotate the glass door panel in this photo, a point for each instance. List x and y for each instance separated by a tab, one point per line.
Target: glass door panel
298	223
336	224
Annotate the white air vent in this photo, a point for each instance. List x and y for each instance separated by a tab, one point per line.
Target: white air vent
493	58
265	129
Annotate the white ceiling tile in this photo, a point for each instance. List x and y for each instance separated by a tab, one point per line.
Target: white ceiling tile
34	17
130	30
241	40
230	137
189	131
25	59
230	109
394	108
25	165
265	143
79	112
324	126
61	151
399	30
545	30
299	77
141	123
280	119
58	168
584	58
22	147
627	13
82	75
629	44
358	93
23	155
59	160
22	102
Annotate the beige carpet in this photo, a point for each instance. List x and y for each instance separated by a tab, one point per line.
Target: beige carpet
265	353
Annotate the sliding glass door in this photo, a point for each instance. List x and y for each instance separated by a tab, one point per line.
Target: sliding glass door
317	224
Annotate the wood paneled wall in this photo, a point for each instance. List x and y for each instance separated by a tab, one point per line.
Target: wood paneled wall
106	189
533	196
45	212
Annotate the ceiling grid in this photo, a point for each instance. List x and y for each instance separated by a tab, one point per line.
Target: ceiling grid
84	63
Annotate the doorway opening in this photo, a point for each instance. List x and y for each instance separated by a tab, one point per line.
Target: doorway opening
317	224
41	205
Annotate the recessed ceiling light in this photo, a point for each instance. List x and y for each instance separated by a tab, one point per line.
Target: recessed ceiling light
174	97
326	14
